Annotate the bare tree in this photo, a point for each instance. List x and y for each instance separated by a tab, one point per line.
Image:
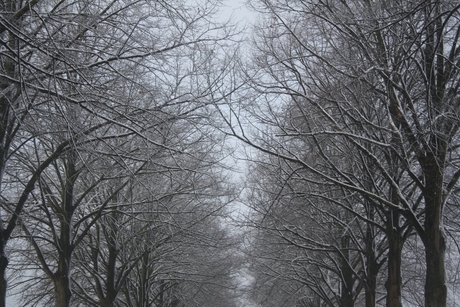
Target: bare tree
326	239
382	80
78	74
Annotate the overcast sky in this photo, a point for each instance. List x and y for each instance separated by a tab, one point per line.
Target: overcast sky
238	10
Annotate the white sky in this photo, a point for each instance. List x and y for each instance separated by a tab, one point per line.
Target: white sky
238	11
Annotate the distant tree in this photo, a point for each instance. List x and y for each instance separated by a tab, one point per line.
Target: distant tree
321	238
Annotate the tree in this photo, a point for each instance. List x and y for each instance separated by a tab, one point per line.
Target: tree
382	81
105	72
322	237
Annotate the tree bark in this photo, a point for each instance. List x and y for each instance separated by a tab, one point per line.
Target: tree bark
434	241
62	284
6	124
371	284
3	266
62	290
435	286
62	276
372	264
395	245
108	300
346	295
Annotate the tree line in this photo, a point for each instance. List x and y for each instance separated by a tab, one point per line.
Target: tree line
115	184
112	186
354	112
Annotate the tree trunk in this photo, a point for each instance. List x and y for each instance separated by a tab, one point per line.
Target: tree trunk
62	276
434	241
6	127
111	291
3	266
435	286
62	285
62	290
144	282
346	295
372	265
371	283
395	245
434	162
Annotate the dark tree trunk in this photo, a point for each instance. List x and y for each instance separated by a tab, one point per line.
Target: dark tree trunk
145	281
371	282
62	285
111	290
395	245
372	264
62	290
346	295
434	161
3	266
435	287
434	241
62	276
7	123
